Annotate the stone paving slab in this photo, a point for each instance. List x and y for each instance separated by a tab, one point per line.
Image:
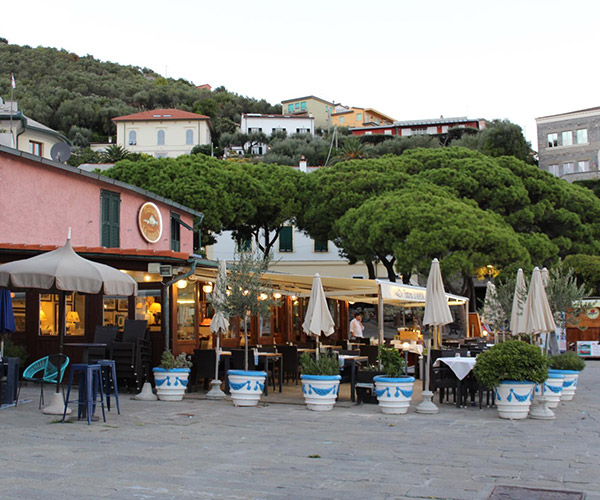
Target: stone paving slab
209	449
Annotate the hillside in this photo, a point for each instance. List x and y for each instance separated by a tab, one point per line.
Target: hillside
78	95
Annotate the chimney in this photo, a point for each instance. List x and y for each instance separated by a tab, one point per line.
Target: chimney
303	164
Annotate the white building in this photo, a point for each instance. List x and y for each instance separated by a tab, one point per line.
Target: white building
268	124
26	134
163	132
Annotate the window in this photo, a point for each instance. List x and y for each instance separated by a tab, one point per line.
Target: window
303	131
160	138
160	155
297	105
254	130
303	105
583	166
244	245
321	246
290	108
110	212
582	136
132	137
369	133
175	232
189	137
35	148
568	168
286	239
387	132
552	140
359	117
342	119
567	138
554	170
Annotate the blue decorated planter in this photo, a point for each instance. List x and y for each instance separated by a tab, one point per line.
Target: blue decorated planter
513	399
171	384
553	388
394	394
569	383
246	387
320	391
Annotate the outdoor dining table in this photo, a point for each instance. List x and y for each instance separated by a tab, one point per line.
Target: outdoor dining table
306	349
461	367
275	356
352	360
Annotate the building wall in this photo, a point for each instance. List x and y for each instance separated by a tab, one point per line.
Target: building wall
359	116
175	136
39	203
23	137
320	110
577	160
270	123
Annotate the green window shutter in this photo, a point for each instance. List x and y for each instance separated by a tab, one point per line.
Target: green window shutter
321	246
286	240
175	232
110	207
244	245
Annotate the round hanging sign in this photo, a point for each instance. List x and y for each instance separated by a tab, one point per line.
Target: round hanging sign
593	313
150	222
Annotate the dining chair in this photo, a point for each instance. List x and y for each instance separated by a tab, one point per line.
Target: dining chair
45	370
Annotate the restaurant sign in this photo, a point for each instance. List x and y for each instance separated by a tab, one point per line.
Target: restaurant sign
404	293
150	222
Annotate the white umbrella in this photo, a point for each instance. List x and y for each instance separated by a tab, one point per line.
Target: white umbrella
492	311
219	323
516	317
437	310
537	315
545	276
318	318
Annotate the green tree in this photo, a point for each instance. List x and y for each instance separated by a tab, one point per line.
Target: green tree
586	269
114	153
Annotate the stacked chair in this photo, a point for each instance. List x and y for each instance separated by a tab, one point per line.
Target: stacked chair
133	355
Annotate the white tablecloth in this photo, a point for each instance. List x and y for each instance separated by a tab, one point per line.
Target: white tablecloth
414	348
460	366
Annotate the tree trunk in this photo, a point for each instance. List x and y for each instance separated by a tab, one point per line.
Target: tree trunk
370	269
389	266
246	342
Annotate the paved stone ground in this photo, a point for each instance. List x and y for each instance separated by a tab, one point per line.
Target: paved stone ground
211	450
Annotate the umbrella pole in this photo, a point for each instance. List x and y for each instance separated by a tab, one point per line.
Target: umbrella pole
318	348
62	327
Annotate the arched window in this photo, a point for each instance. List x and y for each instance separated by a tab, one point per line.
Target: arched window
189	137
160	138
132	137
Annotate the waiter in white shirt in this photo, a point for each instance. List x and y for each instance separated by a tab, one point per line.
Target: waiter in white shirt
356	326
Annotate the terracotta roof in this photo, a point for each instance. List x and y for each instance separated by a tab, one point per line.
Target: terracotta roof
161	114
117	252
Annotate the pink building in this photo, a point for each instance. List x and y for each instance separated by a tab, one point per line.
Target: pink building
114	223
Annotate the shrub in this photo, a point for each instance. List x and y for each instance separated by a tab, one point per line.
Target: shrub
12	350
392	362
567	361
511	360
168	361
327	364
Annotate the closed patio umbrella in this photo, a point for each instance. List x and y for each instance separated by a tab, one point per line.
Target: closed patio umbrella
517	324
218	324
318	318
492	311
62	271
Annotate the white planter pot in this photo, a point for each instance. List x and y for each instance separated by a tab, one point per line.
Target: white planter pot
569	383
246	386
394	394
320	391
171	384
553	388
513	399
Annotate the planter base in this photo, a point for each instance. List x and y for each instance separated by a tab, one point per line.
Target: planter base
146	394
215	392
427	406
246	386
56	406
539	409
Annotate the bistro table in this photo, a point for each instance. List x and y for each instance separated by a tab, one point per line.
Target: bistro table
275	356
352	361
461	367
85	355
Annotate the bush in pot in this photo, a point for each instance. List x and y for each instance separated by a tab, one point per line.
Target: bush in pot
568	364
394	390
512	368
320	381
365	387
171	376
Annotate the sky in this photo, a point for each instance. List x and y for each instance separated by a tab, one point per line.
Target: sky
510	59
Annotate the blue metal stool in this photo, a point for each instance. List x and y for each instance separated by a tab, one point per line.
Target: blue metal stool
90	384
109	379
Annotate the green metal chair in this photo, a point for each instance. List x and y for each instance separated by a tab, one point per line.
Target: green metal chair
45	370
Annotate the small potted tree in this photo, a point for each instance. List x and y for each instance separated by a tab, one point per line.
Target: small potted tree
512	368
394	390
569	365
171	376
320	381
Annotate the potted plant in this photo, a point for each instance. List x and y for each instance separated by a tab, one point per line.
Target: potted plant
365	387
171	376
320	381
553	388
248	294
394	390
569	365
512	368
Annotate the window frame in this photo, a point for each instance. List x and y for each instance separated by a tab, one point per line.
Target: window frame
36	148
132	142
189	137
286	245
319	247
160	137
552	143
110	219
175	232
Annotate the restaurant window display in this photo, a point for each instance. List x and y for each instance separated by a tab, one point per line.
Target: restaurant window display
186	310
148	308
19	310
115	311
75	314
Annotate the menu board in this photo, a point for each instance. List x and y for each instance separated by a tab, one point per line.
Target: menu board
588	348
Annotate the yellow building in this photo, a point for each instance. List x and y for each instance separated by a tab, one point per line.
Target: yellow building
359	117
319	108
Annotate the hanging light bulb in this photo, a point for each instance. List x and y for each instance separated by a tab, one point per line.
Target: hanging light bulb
208	288
277	295
294	298
263	296
181	284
